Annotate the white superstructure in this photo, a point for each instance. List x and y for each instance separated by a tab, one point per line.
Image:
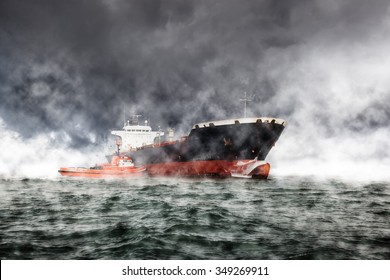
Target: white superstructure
135	136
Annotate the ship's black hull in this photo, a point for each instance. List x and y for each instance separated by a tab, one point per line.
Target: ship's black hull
230	142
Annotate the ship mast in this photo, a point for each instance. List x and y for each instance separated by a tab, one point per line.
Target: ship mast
245	100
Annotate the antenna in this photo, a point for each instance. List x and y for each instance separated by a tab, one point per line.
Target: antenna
245	100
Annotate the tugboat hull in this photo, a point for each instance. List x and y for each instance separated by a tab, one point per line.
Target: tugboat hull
94	173
120	167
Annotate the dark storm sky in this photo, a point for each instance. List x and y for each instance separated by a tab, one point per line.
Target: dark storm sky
72	65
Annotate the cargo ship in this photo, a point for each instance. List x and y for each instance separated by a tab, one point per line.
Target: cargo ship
225	148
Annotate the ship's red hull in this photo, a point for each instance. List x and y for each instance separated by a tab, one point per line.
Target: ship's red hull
212	168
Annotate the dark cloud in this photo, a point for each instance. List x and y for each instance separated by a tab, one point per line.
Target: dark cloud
75	63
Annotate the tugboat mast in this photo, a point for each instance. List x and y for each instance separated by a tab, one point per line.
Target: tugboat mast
245	100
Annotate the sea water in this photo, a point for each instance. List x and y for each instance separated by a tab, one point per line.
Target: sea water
159	218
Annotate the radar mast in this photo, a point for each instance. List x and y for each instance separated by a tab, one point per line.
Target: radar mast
245	100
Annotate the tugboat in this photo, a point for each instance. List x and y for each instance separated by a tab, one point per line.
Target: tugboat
121	166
